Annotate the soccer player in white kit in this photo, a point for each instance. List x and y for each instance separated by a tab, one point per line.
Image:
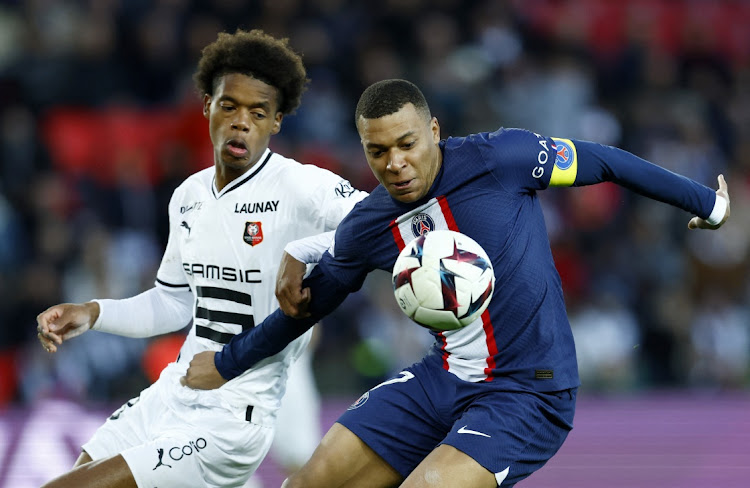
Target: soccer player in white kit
228	228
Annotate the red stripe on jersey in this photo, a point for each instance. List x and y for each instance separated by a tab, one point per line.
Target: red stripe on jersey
444	344
447	213
448	216
489	332
397	236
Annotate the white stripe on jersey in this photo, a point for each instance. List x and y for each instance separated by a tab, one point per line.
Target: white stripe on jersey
465	351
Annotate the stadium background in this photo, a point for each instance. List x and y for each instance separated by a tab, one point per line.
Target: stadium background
99	122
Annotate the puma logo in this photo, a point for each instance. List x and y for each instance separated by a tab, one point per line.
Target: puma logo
185	225
160	453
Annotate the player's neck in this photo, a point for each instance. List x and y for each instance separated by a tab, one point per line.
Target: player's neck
227	174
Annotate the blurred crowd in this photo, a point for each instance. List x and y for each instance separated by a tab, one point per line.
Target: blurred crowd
99	122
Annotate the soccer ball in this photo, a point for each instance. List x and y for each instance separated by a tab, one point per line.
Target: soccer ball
443	280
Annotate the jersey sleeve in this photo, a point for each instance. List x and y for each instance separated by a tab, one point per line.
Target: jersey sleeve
346	260
278	330
525	161
170	274
330	196
153	312
580	163
521	160
310	249
341	271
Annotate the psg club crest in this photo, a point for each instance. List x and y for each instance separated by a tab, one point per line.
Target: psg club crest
563	154
253	233
421	224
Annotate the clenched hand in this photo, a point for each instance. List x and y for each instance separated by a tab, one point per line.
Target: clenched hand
293	299
202	373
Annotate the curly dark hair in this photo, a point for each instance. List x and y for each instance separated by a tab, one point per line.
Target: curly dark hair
387	97
257	54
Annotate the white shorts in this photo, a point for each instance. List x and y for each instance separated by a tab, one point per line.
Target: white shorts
195	445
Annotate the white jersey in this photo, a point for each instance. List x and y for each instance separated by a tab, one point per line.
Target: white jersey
226	248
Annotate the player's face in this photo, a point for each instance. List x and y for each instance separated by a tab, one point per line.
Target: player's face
402	151
242	115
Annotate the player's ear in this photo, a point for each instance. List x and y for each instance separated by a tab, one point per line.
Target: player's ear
435	128
277	123
206	105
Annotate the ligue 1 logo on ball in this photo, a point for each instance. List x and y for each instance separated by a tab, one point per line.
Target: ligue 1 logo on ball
253	233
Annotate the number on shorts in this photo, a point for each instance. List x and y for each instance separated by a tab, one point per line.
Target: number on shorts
119	411
405	376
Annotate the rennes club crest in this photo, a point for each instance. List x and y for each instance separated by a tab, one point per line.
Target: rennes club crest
253	233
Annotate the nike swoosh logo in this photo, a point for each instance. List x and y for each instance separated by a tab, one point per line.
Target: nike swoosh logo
464	430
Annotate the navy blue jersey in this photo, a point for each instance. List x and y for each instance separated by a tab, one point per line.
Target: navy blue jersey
487	189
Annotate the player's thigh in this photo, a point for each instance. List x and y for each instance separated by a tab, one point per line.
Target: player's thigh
168	462
221	454
128	426
447	467
170	447
343	460
513	434
404	418
112	472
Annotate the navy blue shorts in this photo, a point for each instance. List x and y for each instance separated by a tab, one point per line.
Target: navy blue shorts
510	433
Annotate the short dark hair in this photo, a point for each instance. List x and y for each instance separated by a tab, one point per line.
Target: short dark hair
257	54
387	97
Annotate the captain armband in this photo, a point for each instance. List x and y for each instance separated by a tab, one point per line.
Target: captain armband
565	168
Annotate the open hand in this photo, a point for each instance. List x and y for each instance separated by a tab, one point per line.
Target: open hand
64	321
202	373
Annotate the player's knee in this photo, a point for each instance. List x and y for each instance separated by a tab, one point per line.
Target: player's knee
301	479
293	481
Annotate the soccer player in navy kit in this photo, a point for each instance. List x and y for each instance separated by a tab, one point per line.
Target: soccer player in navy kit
492	402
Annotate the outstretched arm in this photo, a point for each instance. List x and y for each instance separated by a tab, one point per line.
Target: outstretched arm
588	163
210	370
153	312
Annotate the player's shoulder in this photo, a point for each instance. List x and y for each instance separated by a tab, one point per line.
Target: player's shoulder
503	139
308	181
369	216
195	185
279	162
510	146
310	173
377	205
295	171
506	135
